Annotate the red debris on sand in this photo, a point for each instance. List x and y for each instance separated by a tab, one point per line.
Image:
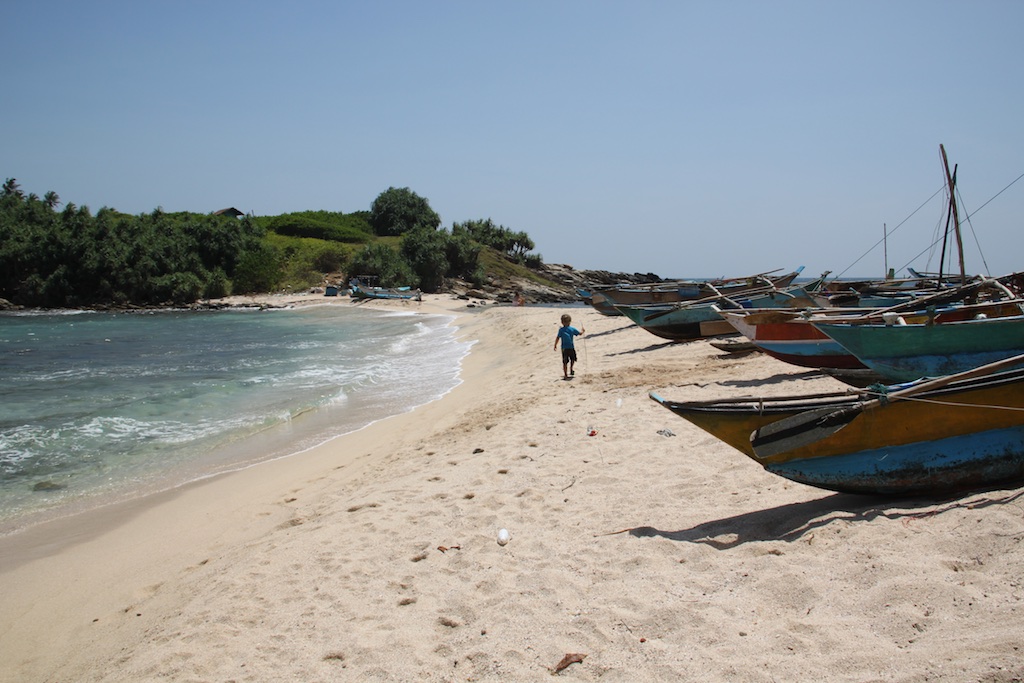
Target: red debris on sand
571	658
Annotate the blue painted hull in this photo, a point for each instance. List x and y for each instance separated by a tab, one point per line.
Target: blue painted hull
904	353
358	293
810	354
954	464
962	434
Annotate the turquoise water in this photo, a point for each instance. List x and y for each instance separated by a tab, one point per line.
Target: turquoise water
97	407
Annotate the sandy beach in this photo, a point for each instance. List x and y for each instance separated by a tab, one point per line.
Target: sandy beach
640	544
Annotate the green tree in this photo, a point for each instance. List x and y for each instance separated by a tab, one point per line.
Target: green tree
426	251
326	225
259	270
397	211
11	189
463	255
521	244
385	263
515	245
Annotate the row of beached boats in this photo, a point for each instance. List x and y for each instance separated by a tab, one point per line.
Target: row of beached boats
934	368
945	411
936	403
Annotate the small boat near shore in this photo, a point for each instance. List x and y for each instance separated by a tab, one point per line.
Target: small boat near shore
359	290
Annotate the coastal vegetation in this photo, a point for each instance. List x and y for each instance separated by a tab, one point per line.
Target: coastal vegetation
54	256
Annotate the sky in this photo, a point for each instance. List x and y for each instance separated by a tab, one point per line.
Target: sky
682	138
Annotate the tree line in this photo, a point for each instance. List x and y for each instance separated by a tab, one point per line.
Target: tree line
70	257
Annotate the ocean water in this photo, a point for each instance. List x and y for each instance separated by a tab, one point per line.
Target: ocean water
98	407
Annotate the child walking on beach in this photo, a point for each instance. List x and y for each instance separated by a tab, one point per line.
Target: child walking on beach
565	333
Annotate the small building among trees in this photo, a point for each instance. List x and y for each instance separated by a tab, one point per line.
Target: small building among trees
230	211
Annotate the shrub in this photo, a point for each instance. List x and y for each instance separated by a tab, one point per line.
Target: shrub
325	225
384	262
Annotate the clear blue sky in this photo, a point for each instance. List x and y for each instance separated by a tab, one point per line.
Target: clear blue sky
683	138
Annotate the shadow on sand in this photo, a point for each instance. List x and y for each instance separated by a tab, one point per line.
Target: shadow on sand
614	331
791	522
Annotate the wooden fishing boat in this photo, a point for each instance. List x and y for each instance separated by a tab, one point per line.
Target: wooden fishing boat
735	346
732	420
956	433
595	299
790	336
361	291
906	351
682	322
882	293
786	334
683	291
933	347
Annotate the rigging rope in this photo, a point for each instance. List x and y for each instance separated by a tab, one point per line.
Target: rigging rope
881	393
886	235
932	245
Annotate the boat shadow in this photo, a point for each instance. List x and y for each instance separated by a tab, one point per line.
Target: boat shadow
652	347
612	331
774	379
793	521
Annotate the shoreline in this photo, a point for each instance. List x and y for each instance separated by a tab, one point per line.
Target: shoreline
658	556
284	440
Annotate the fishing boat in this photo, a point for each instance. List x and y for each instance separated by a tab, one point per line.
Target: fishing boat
680	291
362	291
786	334
734	346
902	351
884	293
596	299
936	437
793	336
682	322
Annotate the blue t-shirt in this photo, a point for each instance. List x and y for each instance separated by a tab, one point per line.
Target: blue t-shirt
566	334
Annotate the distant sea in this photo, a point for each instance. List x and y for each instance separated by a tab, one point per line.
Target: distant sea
98	407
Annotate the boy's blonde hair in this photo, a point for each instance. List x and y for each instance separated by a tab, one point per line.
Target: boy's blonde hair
566	318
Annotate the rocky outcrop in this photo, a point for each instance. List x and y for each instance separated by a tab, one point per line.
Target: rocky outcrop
556	283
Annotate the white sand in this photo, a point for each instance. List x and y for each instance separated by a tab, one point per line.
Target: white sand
374	557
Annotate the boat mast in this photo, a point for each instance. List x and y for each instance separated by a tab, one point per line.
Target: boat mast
885	251
951	181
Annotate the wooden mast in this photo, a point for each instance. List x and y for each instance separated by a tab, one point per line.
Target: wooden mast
951	181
